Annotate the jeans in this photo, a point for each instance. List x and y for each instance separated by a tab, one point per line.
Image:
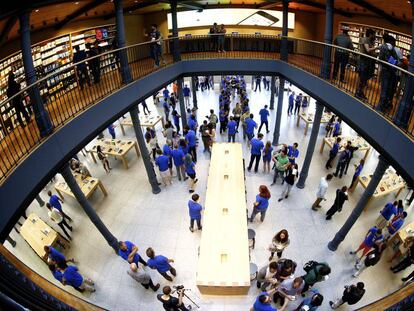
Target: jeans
340	166
192	151
278	173
156	53
290	109
64	224
180	171
341	59
335	208
364	76
254	157
258	85
232	138
265	123
328	164
388	83
286	190
255	212
166	276
198	223
297	108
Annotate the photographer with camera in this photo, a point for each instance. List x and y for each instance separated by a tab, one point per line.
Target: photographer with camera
171	303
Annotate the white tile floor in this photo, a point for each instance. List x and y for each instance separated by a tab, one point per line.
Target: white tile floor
133	213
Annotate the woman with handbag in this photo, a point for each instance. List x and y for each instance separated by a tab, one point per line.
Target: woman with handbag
279	242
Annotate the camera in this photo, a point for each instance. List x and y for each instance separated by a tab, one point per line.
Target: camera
178	287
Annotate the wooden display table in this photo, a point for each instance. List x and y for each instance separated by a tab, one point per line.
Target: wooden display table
356	141
389	183
223	264
308	118
115	148
38	234
149	120
400	237
87	185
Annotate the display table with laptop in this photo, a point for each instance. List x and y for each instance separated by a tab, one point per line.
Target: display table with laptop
356	141
149	120
309	118
88	186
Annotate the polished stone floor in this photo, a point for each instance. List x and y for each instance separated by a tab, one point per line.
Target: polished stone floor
133	213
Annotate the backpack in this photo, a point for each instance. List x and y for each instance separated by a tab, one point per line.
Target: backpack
310	265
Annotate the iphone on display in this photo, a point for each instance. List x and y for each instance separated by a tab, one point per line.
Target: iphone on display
259	18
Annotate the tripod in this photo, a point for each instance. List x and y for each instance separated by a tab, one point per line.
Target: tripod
186	296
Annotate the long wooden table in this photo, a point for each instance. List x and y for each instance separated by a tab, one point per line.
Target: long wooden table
87	185
223	264
149	120
116	148
38	234
356	141
308	118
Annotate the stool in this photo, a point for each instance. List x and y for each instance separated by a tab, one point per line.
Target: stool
253	271
251	234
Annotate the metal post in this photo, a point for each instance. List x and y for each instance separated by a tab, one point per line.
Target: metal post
40	200
194	92
284	44
327	50
120	37
276	132
176	43
369	191
181	99
152	178
272	93
42	118
311	146
87	207
405	107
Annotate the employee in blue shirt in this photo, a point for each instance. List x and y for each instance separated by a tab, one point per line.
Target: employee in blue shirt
291	103
232	129
337	128
298	102
55	201
191	139
57	274
263	302
129	251
293	153
166	94
386	214
194	209
264	114
190	171
223	118
261	204
72	277
176	120
161	264
186	94
396	224
333	152
166	107
178	158
162	161
255	152
111	130
250	126
358	170
55	256
192	123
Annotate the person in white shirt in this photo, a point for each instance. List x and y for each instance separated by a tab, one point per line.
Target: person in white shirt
57	217
320	194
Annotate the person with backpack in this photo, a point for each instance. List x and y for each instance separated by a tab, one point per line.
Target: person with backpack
351	295
315	272
212	118
372	258
341	197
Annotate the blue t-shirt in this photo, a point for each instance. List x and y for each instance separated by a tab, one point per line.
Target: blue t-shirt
191	138
176	119
335	148
292	153
125	254
263	203
264	113
166	107
162	162
371	237
58	275
72	276
358	170
194	209
160	263
55	255
190	168
192	124
184	149
54	201
166	150
397	225
222	115
291	99
337	129
166	93
232	126
111	129
257	146
388	211
267	156
186	91
177	155
258	306
250	125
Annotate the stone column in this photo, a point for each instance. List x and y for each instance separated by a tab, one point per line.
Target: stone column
194	92
369	191
87	207
311	146
284	44
176	43
40	200
120	37
279	110
152	178
272	93
183	113
42	118
327	50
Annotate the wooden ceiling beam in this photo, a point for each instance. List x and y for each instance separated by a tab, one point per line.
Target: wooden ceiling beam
376	10
7	28
78	12
322	7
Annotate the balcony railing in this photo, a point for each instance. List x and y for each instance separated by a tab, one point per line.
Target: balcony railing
69	90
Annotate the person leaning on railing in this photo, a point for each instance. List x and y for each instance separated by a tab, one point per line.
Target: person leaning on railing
341	56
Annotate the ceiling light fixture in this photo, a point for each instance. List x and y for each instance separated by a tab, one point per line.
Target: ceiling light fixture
37	10
76	2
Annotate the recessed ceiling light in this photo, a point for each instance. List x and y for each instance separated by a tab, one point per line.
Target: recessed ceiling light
37	10
136	1
76	2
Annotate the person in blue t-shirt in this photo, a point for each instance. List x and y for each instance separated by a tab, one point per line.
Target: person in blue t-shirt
291	103
293	153
192	123
264	114
223	118
337	130
111	130
166	107
144	107
166	94
161	264
358	170
191	139
178	158
263	302
166	150
267	156
298	102
186	94
232	129
396	224
55	256
55	201
190	170
176	120
162	161
261	204
194	209
129	251
72	277
333	152
386	214
255	152
57	274
373	236
250	126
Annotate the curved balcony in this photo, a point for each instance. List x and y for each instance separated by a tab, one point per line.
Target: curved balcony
23	149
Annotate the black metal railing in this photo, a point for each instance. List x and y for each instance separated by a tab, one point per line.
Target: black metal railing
72	88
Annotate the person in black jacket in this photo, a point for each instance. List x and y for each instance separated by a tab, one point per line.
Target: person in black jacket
372	258
352	149
95	63
341	197
12	89
352	294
